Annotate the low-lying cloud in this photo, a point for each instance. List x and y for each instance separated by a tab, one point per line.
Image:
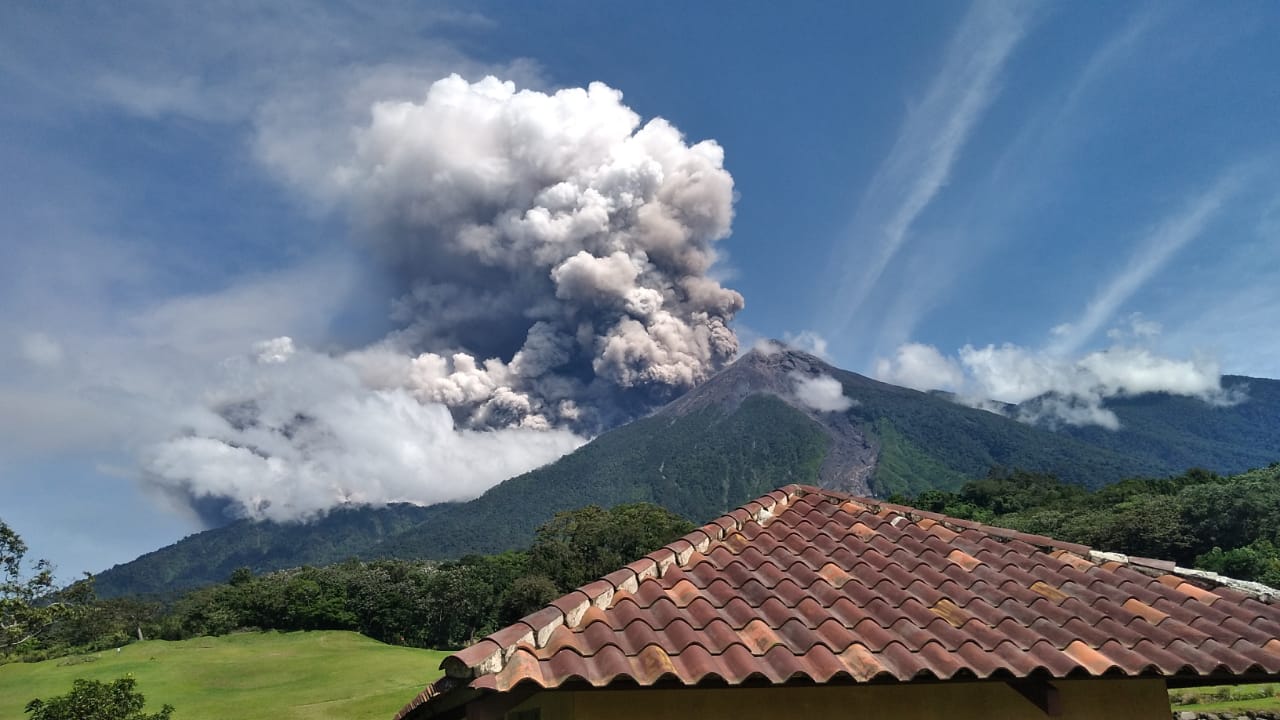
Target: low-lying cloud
289	433
821	392
1051	389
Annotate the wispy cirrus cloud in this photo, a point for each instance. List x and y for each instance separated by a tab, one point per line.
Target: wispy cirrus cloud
1153	252
1020	173
1065	382
931	138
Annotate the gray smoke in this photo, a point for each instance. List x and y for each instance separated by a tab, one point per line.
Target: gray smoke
554	257
553	249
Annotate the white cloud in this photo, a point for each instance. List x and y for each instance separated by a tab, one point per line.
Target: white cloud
115	376
1053	389
920	367
40	349
275	350
808	341
822	392
287	436
1138	328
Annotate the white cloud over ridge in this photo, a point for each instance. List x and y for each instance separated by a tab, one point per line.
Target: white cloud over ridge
822	393
1050	388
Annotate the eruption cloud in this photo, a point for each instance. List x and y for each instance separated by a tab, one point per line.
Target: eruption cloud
553	257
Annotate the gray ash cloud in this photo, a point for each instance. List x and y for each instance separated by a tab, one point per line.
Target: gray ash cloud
555	258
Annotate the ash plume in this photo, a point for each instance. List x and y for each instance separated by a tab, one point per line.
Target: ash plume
553	261
552	248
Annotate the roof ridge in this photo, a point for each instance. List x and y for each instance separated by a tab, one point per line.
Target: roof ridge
1058	608
1155	568
1148	566
954	524
490	654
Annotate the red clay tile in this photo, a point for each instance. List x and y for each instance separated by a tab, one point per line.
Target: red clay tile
1267	610
1088	658
1267	626
1161	636
861	663
758	636
1204	596
649	592
621	580
801	574
1144	611
513	635
695	664
752	557
461	662
769	574
594	614
738	613
817	585
683	593
775	612
871	635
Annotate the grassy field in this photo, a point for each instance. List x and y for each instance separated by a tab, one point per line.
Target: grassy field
1227	698
249	676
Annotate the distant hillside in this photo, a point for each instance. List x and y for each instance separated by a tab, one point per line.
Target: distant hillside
1185	432
738	435
210	556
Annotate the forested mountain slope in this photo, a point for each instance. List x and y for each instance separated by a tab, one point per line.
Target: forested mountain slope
743	432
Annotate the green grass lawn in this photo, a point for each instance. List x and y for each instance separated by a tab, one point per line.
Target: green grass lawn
248	676
1227	698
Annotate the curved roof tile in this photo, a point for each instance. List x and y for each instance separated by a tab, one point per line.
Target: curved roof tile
814	585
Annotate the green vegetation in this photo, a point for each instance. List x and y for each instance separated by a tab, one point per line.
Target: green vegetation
903	467
1229	525
29	605
402	602
210	557
577	547
94	700
248	676
1183	432
731	440
1236	699
699	466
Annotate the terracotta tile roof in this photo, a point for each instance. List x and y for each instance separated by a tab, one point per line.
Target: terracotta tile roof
812	585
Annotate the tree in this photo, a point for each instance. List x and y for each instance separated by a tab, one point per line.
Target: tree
526	595
29	605
93	700
578	546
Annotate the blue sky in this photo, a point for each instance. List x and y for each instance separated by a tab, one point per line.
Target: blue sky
992	198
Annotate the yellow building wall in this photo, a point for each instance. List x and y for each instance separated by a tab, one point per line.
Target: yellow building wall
1137	699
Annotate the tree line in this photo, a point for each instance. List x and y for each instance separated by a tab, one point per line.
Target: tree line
1229	525
414	603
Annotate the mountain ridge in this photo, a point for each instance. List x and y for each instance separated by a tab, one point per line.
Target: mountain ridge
741	433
